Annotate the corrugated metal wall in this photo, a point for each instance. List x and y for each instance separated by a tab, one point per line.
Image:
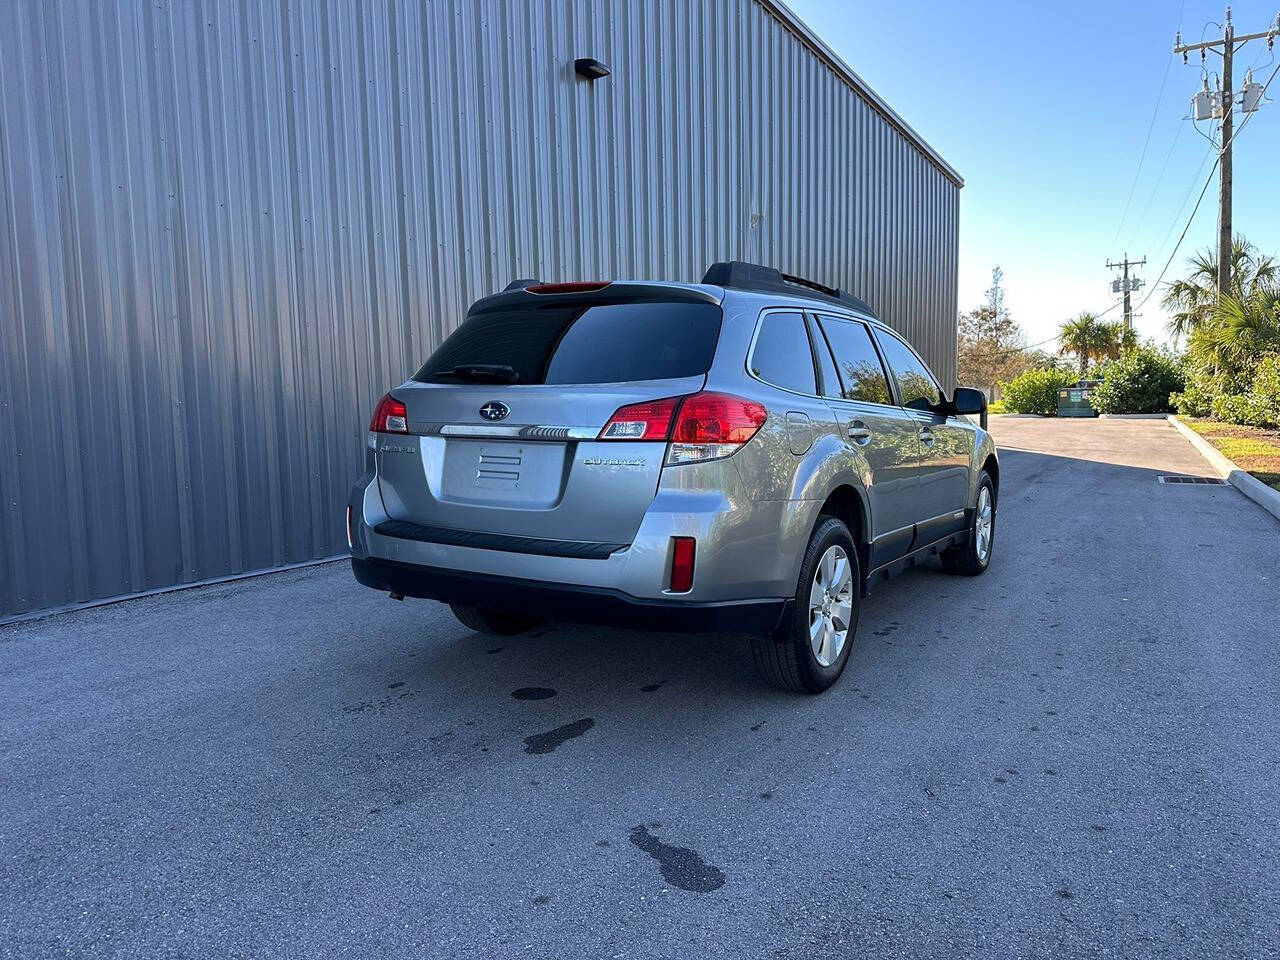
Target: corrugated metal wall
226	228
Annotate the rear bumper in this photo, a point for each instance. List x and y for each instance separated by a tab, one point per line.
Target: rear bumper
559	601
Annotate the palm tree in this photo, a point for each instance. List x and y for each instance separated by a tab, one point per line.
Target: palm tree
1243	327
1091	339
1193	298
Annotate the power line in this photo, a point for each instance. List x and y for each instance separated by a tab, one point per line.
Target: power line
1240	129
1155	110
1174	252
1128	285
1219	104
1159	179
1054	339
1151	125
1177	213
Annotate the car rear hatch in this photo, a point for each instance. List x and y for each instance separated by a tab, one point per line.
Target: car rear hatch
508	412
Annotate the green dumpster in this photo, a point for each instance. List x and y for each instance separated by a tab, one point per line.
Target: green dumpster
1074	401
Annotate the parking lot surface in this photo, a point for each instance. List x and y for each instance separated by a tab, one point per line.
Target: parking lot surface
1077	754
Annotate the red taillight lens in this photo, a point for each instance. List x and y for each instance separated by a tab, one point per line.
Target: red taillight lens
718	418
682	551
579	287
390	416
704	426
650	420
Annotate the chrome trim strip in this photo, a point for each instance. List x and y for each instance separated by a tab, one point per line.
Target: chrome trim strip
527	432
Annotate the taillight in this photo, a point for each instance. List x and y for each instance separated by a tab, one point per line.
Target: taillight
682	551
390	416
650	420
713	425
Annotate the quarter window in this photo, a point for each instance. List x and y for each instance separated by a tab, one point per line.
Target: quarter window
916	386
781	355
861	372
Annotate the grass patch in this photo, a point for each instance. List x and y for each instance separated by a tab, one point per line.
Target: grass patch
1252	448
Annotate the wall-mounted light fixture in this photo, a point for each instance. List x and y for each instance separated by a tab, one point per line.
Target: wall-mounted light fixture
589	68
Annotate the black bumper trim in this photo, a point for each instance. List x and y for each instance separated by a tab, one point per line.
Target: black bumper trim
578	549
576	604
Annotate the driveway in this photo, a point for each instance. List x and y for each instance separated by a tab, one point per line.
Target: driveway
1077	754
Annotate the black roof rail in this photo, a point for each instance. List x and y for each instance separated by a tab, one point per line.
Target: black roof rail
752	276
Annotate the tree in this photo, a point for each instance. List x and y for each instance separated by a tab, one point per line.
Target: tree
1194	297
995	294
990	346
1226	355
1243	328
1091	340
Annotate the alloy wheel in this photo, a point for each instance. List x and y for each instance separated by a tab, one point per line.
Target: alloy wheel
830	605
984	523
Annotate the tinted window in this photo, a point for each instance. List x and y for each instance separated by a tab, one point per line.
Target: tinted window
860	366
592	343
781	355
826	366
916	385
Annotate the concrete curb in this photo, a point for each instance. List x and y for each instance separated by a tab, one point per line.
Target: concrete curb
1253	488
1133	416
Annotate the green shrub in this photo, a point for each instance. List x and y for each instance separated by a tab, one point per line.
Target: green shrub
1260	406
1140	381
1266	393
1232	407
1195	399
1035	391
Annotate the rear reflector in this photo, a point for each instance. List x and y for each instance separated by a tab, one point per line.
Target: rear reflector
650	420
682	551
579	287
351	532
713	425
390	416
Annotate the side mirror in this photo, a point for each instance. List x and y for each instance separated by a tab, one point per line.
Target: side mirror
968	400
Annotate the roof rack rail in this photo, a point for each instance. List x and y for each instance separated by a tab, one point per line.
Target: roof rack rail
752	276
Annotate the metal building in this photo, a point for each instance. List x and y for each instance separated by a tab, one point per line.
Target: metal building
226	229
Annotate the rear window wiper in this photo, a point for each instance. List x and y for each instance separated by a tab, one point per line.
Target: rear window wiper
480	373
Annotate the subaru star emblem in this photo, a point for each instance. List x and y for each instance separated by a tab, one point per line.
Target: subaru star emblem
495	410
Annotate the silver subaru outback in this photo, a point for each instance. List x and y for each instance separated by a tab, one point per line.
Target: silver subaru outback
745	454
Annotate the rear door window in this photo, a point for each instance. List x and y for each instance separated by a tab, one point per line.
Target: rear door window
781	355
861	372
917	387
826	364
576	343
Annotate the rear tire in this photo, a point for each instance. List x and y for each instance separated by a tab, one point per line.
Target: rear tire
494	622
973	558
809	652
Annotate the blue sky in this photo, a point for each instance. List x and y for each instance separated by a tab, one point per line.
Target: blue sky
1044	108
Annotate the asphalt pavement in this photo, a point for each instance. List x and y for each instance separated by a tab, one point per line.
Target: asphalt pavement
1077	754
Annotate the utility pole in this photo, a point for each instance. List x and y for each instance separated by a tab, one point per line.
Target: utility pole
1126	285
1219	104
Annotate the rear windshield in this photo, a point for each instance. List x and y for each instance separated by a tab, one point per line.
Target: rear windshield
577	343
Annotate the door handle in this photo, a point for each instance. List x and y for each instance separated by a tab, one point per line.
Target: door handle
859	433
926	436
